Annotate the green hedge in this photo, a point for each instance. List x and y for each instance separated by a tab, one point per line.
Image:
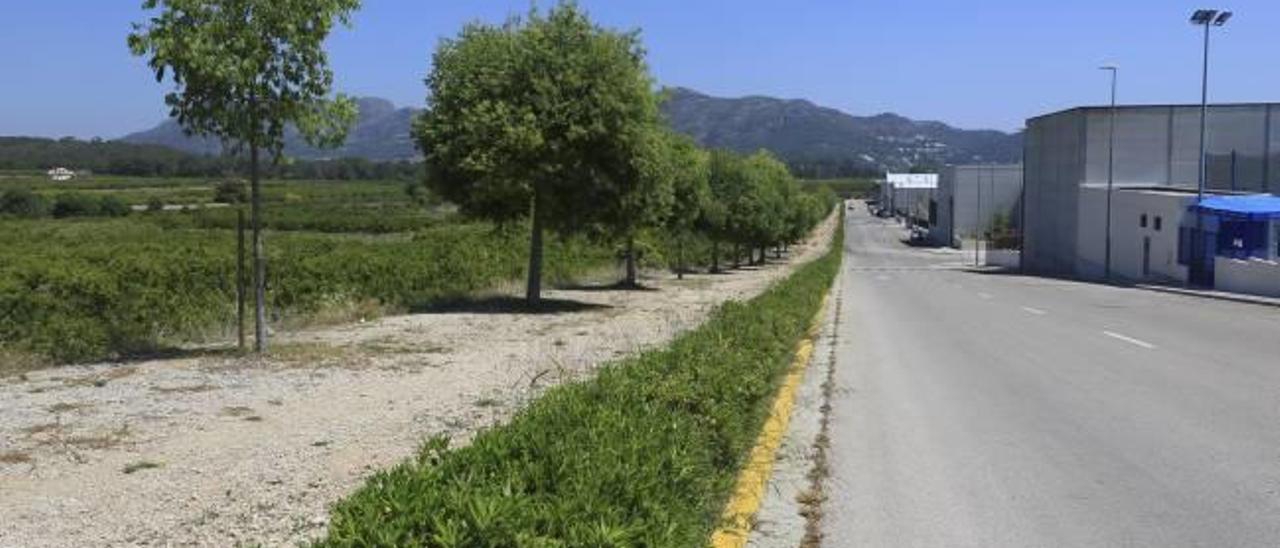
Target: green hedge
645	454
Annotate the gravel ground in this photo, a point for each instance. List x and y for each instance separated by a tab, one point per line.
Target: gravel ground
216	450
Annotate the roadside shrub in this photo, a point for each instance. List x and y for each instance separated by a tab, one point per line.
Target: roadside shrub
111	206
76	205
231	191
24	203
155	204
645	454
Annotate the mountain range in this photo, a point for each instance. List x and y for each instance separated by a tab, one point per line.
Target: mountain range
815	141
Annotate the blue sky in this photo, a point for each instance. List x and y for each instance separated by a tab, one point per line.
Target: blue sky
65	69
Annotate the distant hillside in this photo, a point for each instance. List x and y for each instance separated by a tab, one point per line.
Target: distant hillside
381	133
34	153
816	141
824	142
119	158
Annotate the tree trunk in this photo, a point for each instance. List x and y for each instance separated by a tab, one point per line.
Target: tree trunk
737	256
715	256
259	254
631	263
533	291
680	257
777	251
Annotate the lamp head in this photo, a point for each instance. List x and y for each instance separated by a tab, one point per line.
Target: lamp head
1203	17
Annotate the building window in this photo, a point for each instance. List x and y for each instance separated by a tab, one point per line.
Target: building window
1142	221
1159	223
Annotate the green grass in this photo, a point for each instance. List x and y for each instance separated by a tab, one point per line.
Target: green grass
139	466
645	454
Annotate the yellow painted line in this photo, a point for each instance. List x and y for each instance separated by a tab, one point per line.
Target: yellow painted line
749	491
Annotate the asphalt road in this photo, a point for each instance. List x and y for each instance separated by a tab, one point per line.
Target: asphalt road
986	410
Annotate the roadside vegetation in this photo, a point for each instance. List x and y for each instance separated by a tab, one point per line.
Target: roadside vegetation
644	454
526	175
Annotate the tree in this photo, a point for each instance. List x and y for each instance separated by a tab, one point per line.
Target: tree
691	190
723	219
537	119
244	70
647	195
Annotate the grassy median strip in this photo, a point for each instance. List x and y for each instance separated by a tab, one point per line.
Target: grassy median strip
644	454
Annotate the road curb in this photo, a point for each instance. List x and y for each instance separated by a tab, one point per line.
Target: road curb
749	489
1246	299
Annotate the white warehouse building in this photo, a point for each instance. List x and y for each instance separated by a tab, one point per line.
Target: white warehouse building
971	199
908	195
1159	231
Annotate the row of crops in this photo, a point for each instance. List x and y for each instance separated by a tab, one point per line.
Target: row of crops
89	289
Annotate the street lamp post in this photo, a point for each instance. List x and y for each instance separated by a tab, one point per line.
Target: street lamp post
977	221
1206	19
1111	164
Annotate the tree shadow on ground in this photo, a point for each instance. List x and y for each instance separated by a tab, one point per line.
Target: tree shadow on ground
615	286
504	304
177	353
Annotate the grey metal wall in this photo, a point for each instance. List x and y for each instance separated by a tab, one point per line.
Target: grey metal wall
1054	161
1161	146
913	202
1154	146
960	188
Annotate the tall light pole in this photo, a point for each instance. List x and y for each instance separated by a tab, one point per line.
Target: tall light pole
1111	164
977	220
1206	19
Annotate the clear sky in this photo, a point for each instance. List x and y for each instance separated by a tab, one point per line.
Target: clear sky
65	70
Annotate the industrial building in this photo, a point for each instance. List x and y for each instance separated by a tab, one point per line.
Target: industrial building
972	200
1159	231
908	195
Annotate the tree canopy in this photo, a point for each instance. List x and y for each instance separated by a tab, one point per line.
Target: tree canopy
245	69
544	116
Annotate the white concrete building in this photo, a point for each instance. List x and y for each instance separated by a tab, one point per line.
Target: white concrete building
971	198
909	195
61	174
1159	231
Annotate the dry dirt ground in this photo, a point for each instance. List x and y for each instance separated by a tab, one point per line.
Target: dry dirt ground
217	450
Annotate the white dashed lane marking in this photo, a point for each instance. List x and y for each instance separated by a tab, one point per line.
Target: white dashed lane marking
1129	340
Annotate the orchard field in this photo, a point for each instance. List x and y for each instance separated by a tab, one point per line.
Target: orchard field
92	286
